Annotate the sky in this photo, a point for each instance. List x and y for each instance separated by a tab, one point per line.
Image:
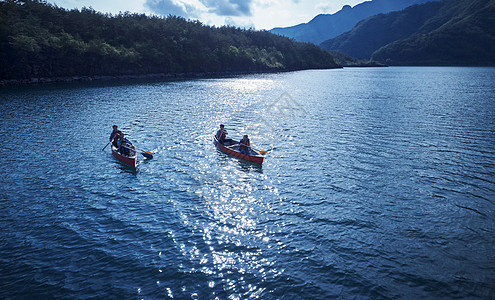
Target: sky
258	14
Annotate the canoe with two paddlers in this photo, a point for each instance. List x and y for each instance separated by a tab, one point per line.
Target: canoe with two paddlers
123	149
232	148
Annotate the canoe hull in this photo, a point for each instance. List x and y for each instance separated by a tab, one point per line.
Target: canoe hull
257	159
129	160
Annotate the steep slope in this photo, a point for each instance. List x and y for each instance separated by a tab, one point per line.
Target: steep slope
327	26
452	32
466	38
377	31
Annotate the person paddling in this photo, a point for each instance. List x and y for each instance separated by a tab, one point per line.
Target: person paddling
244	145
115	135
126	147
221	134
122	145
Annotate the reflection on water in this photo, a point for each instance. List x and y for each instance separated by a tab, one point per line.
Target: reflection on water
378	184
225	160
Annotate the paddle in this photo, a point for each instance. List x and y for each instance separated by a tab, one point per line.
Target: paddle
147	154
262	152
232	146
106	146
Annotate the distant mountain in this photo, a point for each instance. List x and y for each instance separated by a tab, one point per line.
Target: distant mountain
377	31
451	32
327	26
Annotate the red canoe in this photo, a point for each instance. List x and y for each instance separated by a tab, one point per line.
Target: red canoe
131	160
232	148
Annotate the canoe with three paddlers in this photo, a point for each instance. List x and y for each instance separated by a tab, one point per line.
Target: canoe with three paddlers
230	147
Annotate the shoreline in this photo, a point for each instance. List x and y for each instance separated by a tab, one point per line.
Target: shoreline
101	78
96	78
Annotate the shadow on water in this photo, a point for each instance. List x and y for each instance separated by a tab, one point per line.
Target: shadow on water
144	161
126	168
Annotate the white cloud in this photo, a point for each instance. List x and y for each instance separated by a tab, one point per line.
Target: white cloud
268	14
198	9
107	6
264	14
239	22
186	9
229	7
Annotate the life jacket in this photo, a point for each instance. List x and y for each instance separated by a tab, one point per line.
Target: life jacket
115	140
244	144
221	135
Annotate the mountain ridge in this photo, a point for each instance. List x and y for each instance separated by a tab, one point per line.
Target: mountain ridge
450	32
326	26
380	30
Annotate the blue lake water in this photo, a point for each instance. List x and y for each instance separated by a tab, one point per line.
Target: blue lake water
379	183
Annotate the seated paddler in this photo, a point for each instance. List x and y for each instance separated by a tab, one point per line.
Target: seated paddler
123	147
244	145
222	135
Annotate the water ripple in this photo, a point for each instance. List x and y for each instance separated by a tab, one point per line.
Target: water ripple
378	184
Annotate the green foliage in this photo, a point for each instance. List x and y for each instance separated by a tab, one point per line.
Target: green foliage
38	39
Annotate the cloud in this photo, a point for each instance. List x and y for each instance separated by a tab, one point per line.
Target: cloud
198	8
229	7
172	7
239	22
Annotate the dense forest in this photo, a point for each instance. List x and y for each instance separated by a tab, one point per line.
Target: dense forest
40	40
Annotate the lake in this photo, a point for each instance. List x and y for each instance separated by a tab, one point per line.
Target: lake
379	183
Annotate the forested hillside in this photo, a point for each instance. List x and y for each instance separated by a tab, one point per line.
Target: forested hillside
462	33
450	32
380	30
38	39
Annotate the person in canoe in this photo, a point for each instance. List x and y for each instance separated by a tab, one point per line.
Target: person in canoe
222	136
244	145
115	135
125	146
